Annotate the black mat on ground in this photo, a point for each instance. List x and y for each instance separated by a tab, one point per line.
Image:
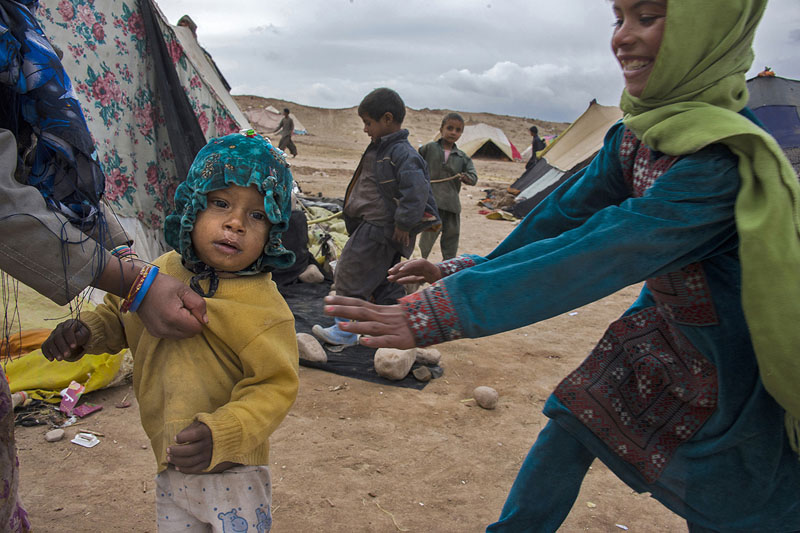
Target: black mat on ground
305	301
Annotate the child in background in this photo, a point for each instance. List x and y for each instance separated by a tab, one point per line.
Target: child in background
388	201
286	129
537	145
449	168
209	403
691	395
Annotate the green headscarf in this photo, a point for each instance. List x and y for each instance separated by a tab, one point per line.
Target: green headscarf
692	100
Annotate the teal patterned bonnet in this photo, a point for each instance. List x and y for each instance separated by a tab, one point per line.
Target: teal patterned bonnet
236	159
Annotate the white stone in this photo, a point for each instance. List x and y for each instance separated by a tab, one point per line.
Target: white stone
54	435
486	397
394	364
310	349
428	356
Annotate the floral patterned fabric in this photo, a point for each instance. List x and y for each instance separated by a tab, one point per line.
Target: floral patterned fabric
108	58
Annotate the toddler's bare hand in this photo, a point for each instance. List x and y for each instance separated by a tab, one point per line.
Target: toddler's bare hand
67	341
193	449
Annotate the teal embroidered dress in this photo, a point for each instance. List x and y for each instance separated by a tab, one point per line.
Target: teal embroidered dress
670	399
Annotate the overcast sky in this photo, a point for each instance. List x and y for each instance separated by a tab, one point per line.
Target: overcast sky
535	59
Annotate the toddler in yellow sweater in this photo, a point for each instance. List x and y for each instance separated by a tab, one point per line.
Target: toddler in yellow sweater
210	402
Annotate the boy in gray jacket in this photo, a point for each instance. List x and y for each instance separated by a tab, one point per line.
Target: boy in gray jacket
387	203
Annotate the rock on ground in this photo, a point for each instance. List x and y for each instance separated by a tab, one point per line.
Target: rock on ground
310	349
486	397
394	364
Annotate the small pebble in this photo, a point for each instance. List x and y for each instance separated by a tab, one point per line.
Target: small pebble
422	373
54	435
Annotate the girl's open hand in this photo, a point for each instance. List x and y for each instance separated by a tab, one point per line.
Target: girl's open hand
414	271
385	325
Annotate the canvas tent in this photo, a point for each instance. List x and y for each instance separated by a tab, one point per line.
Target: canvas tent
567	154
776	102
151	101
485	140
267	120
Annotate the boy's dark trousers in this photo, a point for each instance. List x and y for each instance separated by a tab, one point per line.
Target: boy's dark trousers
287	142
362	267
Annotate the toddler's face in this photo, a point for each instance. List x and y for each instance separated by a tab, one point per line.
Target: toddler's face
230	234
637	37
451	130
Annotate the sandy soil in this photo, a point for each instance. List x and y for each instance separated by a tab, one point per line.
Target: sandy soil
357	456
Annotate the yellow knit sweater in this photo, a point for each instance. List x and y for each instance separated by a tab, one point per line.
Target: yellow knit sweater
239	376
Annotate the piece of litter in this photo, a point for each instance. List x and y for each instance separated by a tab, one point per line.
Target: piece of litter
622	527
86	409
87	440
70	397
573	313
591	505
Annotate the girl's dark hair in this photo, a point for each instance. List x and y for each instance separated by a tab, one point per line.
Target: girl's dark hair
534	130
381	101
452	116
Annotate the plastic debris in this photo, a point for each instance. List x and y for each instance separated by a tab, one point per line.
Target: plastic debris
70	397
87	440
86	409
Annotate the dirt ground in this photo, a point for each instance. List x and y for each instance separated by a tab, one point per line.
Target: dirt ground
353	455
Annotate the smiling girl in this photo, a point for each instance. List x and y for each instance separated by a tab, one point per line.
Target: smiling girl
692	394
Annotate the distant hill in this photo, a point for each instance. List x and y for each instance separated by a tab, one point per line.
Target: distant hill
343	126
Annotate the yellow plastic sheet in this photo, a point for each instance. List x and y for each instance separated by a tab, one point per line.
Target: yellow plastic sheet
44	380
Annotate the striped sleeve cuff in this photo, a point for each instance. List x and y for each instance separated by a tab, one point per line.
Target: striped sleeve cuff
451	266
431	316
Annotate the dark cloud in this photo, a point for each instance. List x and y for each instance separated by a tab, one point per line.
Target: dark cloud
532	59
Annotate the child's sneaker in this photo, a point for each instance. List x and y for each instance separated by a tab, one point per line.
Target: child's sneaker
334	335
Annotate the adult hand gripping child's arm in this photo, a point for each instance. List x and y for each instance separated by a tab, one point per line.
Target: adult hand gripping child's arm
67	341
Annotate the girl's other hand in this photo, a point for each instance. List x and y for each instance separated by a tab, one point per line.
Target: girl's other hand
414	271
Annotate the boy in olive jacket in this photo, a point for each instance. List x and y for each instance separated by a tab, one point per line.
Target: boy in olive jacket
449	168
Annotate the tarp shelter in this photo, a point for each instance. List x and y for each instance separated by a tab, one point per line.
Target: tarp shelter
151	101
485	140
776	102
267	120
567	154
